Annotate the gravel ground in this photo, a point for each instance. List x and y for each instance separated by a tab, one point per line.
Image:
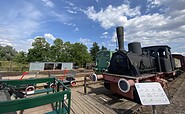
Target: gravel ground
176	97
177	103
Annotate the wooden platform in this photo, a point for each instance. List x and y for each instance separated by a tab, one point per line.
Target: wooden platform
98	100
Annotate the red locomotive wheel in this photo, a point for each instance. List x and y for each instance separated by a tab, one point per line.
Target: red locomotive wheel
30	88
52	85
73	83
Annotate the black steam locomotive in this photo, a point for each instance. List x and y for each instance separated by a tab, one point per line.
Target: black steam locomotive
137	61
147	64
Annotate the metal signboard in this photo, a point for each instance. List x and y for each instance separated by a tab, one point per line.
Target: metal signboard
36	66
151	94
67	66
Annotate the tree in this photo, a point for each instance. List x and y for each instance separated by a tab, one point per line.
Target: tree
56	50
21	57
79	54
66	52
93	50
103	48
40	50
7	53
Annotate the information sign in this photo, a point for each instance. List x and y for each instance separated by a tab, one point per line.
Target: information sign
151	93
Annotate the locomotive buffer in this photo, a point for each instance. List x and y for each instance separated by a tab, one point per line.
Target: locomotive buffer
151	94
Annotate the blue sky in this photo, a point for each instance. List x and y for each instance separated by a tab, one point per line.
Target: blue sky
151	22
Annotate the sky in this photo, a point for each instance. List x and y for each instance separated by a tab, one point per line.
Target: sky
151	22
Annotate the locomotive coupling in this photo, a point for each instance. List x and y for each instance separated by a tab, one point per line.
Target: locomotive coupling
124	85
93	77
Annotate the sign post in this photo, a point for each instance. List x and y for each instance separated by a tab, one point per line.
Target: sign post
154	109
151	93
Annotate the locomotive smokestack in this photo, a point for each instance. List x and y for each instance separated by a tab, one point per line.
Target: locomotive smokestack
120	36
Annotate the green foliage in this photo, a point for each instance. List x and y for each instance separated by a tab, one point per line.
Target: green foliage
80	55
40	50
20	57
66	52
93	50
13	66
7	53
11	60
103	48
58	52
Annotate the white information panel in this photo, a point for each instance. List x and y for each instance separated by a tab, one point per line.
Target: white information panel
151	94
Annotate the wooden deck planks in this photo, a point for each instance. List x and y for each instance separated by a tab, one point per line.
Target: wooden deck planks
38	110
98	100
85	104
100	107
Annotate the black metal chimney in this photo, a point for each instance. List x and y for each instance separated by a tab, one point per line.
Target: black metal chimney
120	36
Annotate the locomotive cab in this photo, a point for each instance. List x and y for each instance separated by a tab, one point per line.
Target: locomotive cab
163	57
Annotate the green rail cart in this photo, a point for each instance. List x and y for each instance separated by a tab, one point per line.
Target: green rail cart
103	58
58	95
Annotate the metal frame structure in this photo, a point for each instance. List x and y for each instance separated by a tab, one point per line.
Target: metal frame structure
59	96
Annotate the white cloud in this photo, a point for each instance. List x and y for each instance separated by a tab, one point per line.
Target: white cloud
76	29
70	3
151	29
104	35
112	16
182	53
57	14
19	23
49	36
85	41
48	3
183	47
126	1
114	37
70	24
60	17
5	42
24	45
153	4
70	11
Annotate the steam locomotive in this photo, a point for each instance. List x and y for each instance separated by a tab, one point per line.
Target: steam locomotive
147	64
138	61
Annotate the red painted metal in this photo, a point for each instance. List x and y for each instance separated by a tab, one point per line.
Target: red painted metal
24	73
113	79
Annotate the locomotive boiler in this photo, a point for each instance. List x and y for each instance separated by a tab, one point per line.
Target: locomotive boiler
131	62
147	64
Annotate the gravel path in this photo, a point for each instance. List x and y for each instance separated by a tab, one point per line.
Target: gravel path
177	103
177	99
